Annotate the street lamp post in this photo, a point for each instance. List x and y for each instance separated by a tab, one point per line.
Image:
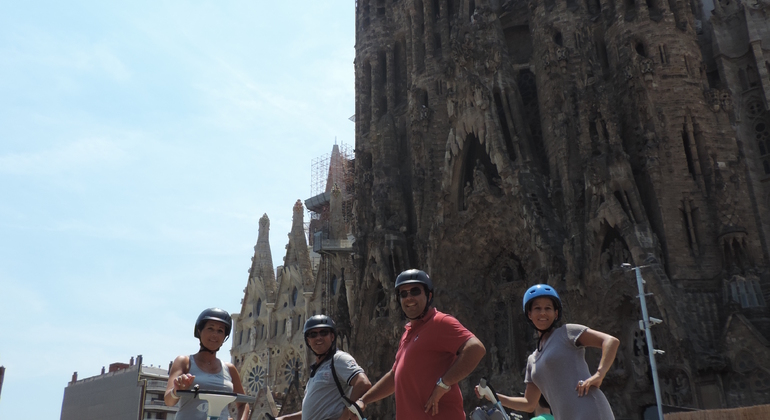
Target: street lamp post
645	324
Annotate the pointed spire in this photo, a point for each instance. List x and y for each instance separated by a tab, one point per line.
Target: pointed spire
337	168
297	253
262	267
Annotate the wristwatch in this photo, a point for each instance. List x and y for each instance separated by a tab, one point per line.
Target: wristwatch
442	384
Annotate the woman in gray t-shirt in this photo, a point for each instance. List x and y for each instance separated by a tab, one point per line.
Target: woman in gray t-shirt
557	368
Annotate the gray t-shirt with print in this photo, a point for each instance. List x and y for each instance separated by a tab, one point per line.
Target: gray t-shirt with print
322	398
557	369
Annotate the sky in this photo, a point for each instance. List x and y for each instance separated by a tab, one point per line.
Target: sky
140	143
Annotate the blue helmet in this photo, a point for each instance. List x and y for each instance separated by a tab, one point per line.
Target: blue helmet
539	290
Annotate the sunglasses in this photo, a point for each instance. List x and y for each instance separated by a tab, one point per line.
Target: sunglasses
414	291
314	334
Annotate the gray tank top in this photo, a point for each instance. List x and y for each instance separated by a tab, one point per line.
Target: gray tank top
196	409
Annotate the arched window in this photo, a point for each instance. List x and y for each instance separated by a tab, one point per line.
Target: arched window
334	285
294	295
259	306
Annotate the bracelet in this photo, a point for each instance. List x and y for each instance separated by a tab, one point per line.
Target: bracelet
173	394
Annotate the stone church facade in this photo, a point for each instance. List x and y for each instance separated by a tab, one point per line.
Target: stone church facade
503	143
268	343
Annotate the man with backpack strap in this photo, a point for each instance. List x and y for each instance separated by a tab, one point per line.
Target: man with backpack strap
331	387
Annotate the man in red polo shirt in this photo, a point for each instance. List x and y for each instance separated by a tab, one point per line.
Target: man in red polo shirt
436	352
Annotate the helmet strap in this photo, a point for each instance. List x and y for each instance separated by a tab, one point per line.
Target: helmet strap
542	334
332	348
323	356
204	348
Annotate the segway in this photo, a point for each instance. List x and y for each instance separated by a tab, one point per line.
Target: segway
217	400
497	412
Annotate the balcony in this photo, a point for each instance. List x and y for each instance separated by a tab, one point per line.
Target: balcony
157	386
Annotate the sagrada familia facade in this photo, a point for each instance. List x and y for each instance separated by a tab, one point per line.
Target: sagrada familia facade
316	277
503	143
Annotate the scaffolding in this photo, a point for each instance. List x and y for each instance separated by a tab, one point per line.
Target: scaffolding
336	167
324	169
332	168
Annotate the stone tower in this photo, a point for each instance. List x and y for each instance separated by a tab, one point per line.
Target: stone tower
505	143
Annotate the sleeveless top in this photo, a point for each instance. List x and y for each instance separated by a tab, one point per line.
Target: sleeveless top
191	408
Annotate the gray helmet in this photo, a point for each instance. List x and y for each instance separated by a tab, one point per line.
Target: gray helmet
414	276
319	321
213	314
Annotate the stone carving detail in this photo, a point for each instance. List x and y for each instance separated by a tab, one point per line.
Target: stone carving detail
562	54
628	72
545	59
647	66
726	100
614	256
712	98
676	388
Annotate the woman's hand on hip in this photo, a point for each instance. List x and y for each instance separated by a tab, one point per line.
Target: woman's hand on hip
584	386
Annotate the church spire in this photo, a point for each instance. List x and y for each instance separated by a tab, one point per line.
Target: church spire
262	266
297	253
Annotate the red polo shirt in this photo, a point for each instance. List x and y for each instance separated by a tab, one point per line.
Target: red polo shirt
427	350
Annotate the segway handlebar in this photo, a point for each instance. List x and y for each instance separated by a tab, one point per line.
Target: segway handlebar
486	390
355	409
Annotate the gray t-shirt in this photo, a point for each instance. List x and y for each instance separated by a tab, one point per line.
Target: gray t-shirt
557	369
322	399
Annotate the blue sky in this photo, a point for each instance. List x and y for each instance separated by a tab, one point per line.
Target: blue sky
140	143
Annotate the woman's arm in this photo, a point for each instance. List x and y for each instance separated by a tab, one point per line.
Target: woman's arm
385	387
609	346
243	409
525	404
178	378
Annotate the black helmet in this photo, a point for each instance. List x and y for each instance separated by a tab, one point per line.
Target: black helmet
319	321
213	314
414	276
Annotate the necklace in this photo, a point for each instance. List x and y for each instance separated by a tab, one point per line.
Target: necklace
208	362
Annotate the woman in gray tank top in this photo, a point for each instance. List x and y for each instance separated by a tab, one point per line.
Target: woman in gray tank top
212	328
557	368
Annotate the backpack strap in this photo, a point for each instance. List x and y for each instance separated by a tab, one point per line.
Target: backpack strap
348	402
